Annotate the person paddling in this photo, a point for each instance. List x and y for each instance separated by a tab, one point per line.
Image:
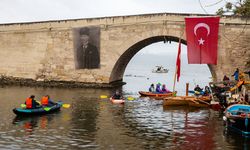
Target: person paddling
31	103
46	101
117	95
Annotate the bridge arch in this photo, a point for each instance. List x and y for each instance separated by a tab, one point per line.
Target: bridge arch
122	62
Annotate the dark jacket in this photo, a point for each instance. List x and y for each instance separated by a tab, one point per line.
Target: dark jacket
88	58
117	96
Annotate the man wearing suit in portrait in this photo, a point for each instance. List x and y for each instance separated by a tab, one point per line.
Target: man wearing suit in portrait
87	54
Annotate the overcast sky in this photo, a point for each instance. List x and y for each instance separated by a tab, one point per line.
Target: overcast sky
12	11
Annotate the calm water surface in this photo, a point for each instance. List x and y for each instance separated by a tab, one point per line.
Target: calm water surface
94	123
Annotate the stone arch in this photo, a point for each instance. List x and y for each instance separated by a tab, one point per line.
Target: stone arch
121	64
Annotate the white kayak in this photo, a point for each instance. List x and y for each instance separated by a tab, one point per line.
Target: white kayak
117	101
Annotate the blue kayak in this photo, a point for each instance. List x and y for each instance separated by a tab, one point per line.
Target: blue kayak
196	92
237	118
37	111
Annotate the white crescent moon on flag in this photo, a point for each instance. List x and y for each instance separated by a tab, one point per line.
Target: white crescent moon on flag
199	25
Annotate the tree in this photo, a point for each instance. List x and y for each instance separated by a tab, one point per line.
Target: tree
239	8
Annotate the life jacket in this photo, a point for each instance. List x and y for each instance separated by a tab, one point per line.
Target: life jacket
45	101
28	103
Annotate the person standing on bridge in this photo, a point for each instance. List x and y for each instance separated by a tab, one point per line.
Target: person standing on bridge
87	54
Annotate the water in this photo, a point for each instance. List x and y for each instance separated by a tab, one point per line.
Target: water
94	123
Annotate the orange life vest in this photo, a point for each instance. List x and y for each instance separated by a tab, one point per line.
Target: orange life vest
45	101
28	103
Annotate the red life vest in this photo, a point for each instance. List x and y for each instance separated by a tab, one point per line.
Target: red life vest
28	103
45	101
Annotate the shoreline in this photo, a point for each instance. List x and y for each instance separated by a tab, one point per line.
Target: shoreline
9	81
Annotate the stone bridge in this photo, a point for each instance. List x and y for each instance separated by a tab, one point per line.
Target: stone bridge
45	50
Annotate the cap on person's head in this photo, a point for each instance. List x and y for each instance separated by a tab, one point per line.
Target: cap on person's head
84	31
32	96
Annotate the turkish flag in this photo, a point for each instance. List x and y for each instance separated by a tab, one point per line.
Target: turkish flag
202	39
178	62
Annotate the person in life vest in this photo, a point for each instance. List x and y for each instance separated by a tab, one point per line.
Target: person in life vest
31	103
158	88
46	101
164	89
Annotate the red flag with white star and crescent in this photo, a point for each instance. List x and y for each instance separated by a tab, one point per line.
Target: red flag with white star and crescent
202	39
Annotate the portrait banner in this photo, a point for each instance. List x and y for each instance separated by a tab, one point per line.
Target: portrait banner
87	47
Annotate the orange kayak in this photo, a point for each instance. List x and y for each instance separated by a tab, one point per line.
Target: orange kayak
143	93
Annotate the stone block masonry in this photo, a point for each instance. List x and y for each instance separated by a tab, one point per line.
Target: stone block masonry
42	52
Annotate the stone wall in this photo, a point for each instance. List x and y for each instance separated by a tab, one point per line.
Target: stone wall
44	50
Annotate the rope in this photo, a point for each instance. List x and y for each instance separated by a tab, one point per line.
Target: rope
214	4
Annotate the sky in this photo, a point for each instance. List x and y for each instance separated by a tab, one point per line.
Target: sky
14	11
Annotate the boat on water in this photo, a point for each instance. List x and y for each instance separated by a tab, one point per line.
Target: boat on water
37	111
159	69
237	118
117	101
202	101
153	94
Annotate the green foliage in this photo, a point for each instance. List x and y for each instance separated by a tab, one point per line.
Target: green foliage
239	8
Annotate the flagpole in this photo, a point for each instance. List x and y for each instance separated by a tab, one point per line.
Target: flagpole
176	67
175	74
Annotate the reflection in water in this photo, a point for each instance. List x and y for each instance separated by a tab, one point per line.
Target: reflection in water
30	123
94	123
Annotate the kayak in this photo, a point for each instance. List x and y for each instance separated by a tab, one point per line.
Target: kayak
237	118
196	92
142	93
37	111
117	101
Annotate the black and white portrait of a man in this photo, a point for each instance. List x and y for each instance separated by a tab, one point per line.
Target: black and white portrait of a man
86	43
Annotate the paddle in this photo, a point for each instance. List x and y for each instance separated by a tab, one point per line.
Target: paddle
23	106
103	96
63	104
128	98
45	108
48	108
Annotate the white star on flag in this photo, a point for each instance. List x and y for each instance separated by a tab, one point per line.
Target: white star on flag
201	41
